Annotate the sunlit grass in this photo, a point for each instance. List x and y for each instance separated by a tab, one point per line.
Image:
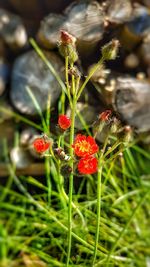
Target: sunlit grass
30	225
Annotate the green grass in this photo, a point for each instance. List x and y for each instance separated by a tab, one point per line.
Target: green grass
32	225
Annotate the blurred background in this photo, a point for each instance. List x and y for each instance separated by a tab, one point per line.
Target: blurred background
122	85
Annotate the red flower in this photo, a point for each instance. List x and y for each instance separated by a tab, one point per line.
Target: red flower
88	165
64	122
84	145
41	145
105	115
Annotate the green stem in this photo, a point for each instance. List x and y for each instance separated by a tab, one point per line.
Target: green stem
21	118
93	70
48	178
99	192
115	145
73	111
67	80
48	64
98	210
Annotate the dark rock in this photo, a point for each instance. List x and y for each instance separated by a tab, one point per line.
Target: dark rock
20	157
144	53
36	9
2	48
140	21
118	11
132	102
49	32
85	116
26	135
84	20
12	30
29	9
136	28
4	72
30	71
131	61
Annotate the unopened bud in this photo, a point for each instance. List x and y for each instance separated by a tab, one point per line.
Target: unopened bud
110	50
66	38
115	125
66	170
60	154
105	115
74	71
67	47
126	134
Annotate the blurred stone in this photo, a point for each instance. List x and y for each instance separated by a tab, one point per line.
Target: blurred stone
2	48
4	73
49	31
131	100
36	9
29	9
131	61
144	51
12	30
136	28
20	157
30	71
104	82
84	20
26	135
118	11
139	23
85	115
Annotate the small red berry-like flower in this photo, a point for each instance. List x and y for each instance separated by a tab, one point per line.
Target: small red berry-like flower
105	115
88	165
67	38
64	122
41	145
84	145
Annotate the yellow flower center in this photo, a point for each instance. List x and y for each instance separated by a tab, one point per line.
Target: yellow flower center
83	146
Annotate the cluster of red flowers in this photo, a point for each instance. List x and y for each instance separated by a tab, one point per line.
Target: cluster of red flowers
85	147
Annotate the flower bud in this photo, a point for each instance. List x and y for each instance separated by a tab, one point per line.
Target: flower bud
103	120
64	122
105	115
110	50
66	170
115	125
126	134
60	154
66	38
67	47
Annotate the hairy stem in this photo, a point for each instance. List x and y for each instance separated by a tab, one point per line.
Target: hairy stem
71	181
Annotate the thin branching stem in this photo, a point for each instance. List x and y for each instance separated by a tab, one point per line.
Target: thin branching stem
73	111
93	70
99	192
